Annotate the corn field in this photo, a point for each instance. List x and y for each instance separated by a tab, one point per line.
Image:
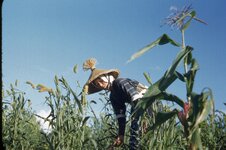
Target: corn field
72	128
193	124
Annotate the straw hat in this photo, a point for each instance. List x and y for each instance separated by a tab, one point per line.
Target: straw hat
89	87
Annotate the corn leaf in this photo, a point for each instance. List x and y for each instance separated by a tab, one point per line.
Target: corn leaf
164	39
172	98
180	76
77	100
75	68
154	92
85	120
186	25
206	107
169	77
73	93
183	53
201	108
148	78
162	117
196	142
190	77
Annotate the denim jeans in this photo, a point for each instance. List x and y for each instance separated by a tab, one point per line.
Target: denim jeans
134	129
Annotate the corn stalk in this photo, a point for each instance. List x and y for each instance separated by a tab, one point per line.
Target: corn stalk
20	129
67	119
198	106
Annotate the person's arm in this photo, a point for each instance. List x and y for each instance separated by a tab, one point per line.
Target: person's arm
120	109
121	131
121	124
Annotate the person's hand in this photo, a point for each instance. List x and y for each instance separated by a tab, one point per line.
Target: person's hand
119	140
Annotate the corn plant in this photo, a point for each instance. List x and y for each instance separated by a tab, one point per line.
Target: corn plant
67	120
165	136
214	136
20	129
74	125
197	106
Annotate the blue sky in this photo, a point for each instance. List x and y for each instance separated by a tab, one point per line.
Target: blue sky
44	38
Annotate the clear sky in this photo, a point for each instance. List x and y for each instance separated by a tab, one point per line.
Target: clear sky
44	38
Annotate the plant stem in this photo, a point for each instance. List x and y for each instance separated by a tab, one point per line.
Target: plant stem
185	64
183	46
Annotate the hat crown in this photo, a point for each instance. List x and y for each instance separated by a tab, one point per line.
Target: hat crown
99	72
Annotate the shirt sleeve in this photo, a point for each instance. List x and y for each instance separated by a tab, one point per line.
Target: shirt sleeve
120	110
130	88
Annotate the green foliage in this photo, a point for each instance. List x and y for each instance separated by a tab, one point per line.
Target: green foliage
75	126
67	119
164	135
157	91
198	106
20	129
164	39
213	132
75	69
74	129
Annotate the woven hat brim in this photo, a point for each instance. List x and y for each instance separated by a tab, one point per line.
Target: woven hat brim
93	89
95	74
